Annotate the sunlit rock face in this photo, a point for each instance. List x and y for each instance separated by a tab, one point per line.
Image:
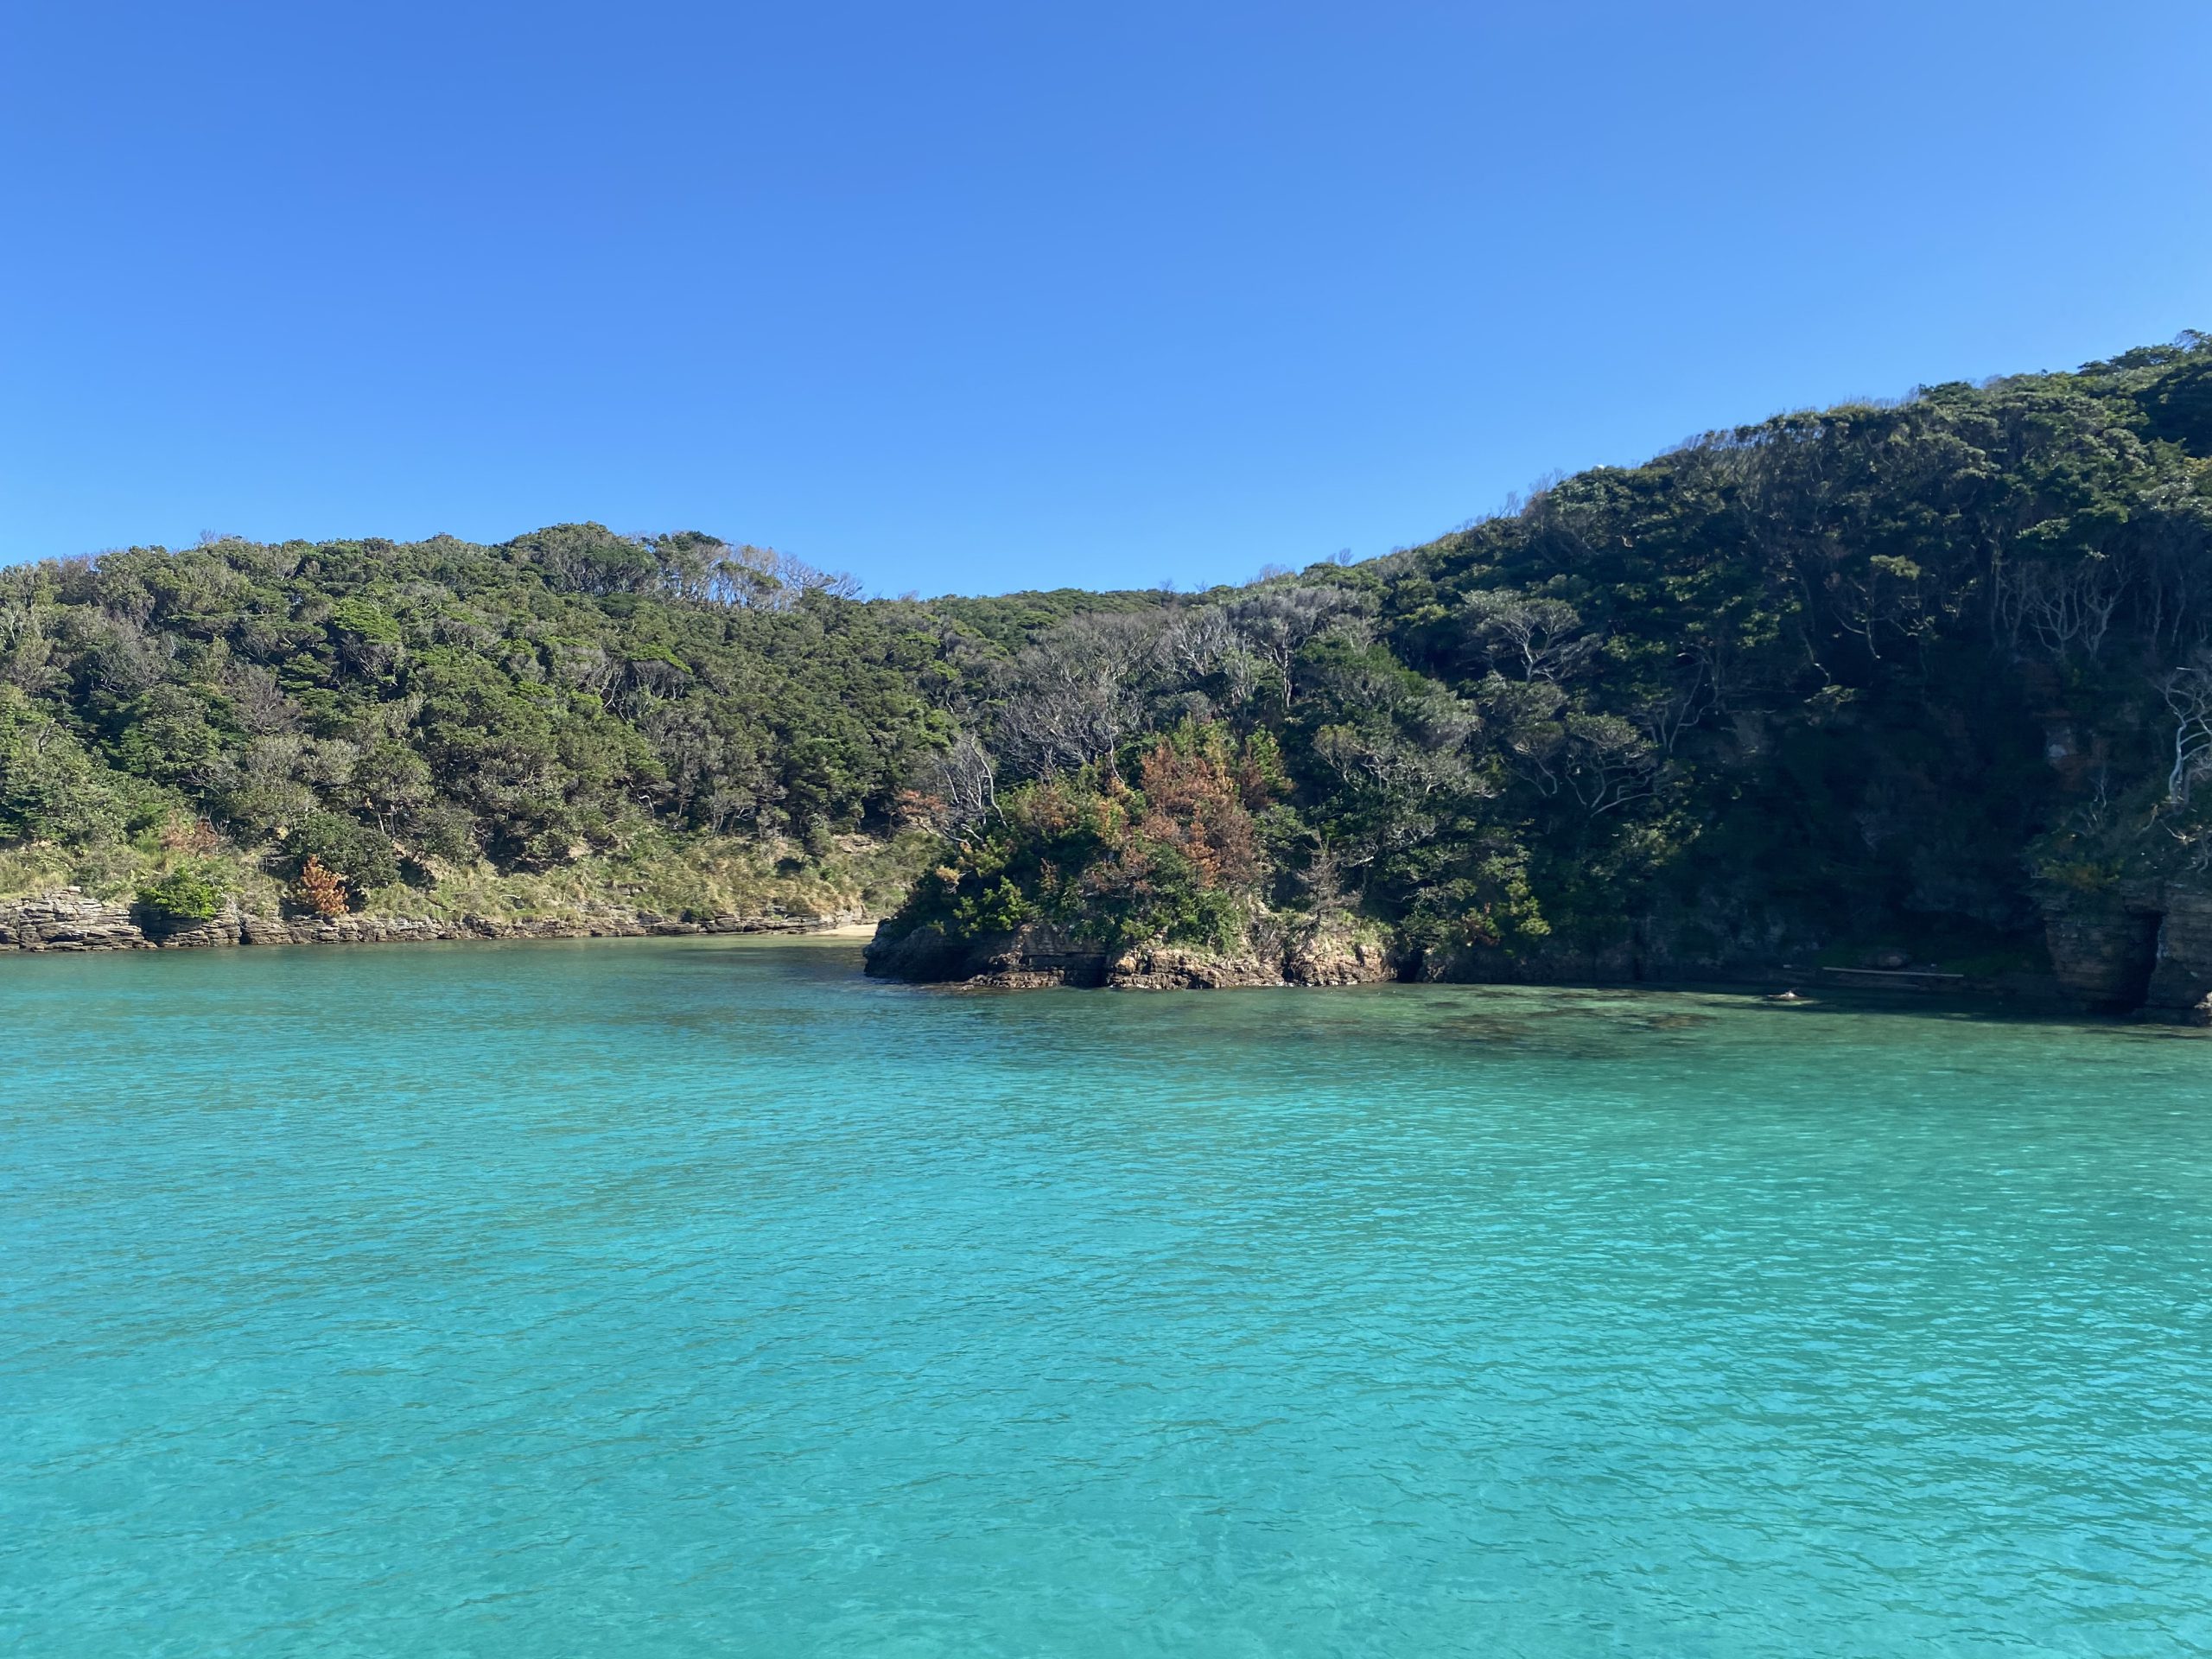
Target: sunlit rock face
68	921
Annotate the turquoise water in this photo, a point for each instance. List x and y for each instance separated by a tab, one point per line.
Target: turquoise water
686	1297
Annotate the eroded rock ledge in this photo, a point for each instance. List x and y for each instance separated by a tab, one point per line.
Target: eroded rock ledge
69	919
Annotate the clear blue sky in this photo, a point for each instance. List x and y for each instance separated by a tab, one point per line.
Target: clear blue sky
980	297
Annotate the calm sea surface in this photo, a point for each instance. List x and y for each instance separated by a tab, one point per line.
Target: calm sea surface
694	1298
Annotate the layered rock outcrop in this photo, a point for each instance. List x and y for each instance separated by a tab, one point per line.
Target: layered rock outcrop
2143	946
68	921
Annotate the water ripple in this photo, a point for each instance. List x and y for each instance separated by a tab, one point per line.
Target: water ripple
684	1298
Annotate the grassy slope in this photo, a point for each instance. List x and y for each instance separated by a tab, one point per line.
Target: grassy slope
691	877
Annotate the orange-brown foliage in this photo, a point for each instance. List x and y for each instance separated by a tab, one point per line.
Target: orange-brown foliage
1195	802
189	835
319	889
914	806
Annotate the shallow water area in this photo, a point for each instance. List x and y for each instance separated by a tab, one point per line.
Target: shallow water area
689	1297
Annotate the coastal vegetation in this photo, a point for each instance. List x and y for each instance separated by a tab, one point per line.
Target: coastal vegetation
1922	678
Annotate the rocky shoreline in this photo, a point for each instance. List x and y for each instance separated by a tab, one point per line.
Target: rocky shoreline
67	918
2145	953
1038	956
2108	957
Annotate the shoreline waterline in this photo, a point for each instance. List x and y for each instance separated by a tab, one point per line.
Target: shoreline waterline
1815	998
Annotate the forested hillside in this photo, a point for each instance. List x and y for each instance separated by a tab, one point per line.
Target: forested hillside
662	716
1910	684
1924	678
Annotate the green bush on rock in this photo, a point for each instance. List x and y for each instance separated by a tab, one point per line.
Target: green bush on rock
181	899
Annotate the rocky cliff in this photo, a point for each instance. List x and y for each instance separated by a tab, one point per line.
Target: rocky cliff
2145	946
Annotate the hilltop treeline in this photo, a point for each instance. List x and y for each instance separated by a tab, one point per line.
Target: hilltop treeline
1878	670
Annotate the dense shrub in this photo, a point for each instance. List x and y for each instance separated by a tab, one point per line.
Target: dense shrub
50	789
358	853
181	898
